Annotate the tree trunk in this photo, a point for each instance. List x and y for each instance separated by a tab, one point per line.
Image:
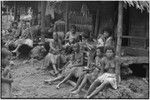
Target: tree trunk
97	22
43	9
66	18
119	28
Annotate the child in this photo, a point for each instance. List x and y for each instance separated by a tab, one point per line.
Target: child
92	75
109	73
6	75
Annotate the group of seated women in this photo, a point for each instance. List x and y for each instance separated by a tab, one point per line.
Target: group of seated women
94	64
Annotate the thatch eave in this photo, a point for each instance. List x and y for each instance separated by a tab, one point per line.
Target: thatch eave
142	5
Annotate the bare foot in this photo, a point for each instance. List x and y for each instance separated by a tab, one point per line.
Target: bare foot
85	96
57	86
88	97
73	89
75	92
48	82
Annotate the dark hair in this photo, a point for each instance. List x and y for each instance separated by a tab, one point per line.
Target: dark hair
101	49
14	23
78	46
109	48
73	26
109	30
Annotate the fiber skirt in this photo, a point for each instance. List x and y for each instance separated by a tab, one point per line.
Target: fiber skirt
111	78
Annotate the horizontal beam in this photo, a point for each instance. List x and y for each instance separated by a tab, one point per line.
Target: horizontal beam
134	37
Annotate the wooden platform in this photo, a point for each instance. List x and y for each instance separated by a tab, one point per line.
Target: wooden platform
127	60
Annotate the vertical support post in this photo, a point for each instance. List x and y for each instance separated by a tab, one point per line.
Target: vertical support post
7	13
43	9
119	28
15	10
35	13
97	22
119	39
66	17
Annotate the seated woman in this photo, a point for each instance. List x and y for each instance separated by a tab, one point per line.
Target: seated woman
71	34
54	53
105	39
92	74
65	71
69	65
77	65
109	73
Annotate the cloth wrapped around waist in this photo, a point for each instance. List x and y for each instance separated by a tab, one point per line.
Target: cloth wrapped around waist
111	78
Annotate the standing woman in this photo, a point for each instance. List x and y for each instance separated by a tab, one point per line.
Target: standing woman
109	73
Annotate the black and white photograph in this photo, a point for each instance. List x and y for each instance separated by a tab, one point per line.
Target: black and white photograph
74	49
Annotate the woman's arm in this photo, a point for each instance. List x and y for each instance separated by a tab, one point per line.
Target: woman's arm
51	46
67	36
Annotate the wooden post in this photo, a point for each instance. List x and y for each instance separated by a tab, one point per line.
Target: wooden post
15	10
97	22
35	13
43	9
66	18
119	34
119	28
7	13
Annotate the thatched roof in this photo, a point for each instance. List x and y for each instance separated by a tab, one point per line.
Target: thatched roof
142	5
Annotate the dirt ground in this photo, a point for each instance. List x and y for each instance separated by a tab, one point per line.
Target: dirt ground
28	83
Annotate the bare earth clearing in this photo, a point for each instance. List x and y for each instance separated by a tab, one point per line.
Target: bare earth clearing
28	83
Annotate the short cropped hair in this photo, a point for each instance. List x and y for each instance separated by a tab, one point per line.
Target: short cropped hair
101	49
109	48
109	30
73	27
14	23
